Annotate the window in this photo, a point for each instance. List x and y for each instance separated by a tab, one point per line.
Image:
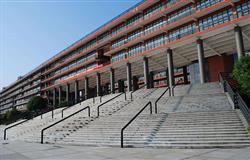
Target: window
155	42
181	32
118	57
215	19
150	11
134	35
133	20
118	42
180	14
243	9
202	4
134	50
154	26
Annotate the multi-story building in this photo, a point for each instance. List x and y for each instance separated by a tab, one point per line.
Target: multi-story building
156	43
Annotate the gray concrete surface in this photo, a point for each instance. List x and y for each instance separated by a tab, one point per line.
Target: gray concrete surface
17	150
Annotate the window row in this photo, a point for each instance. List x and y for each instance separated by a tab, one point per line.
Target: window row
216	19
181	32
202	4
180	14
82	60
150	11
243	9
81	70
118	57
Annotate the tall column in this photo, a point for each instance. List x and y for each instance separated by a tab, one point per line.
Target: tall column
146	72
200	50
151	79
129	77
98	84
239	41
67	92
170	70
60	94
86	84
54	97
112	80
76	92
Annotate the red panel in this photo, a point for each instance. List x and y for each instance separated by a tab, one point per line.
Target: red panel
218	64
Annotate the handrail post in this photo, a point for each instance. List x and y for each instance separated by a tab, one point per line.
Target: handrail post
42	137
151	110
125	95
5	134
100	99
122	138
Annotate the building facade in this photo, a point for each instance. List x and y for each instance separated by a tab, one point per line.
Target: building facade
156	43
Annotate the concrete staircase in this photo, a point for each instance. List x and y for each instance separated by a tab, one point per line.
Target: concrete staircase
199	116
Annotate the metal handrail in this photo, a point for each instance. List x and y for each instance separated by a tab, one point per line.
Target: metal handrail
235	97
98	108
131	93
5	130
63	120
159	99
122	130
243	107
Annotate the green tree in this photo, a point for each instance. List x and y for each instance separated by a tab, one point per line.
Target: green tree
241	73
36	104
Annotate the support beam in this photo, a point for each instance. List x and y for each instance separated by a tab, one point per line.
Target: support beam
86	84
146	72
76	92
112	80
246	36
211	48
239	41
98	84
200	50
170	70
129	77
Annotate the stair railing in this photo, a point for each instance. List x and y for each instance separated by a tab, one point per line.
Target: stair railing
42	131
122	130
159	99
235	96
98	108
16	124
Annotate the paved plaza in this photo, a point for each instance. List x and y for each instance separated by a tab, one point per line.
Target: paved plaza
17	150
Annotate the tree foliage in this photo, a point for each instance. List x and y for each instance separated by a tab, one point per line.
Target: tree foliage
36	104
241	73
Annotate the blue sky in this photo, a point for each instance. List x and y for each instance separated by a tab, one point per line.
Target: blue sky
33	31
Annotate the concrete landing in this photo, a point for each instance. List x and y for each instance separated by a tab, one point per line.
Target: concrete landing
26	151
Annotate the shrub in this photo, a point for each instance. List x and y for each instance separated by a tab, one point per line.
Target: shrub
248	129
241	73
12	114
36	104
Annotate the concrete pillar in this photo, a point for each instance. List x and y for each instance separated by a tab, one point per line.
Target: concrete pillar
239	41
170	70
112	80
67	92
76	92
129	77
200	50
98	84
60	94
151	79
86	84
54	97
146	72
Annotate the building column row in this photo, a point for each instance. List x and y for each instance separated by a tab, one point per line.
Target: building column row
148	76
